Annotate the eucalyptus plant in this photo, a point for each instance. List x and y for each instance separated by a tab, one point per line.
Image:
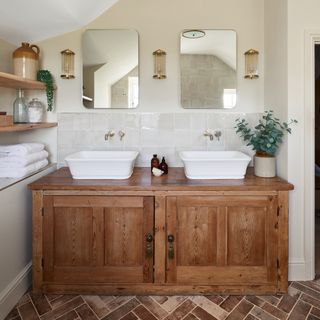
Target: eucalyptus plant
46	77
266	136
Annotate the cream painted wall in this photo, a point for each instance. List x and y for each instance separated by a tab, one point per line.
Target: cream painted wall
159	25
275	75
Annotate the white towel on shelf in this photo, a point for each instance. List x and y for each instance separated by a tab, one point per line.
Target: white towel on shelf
22	161
23	171
21	149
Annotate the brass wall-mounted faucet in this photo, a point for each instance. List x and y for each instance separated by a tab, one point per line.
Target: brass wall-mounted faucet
109	134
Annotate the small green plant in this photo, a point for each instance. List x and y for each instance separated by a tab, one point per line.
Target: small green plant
266	137
46	77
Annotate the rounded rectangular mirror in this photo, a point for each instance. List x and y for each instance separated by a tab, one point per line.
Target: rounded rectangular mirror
110	69
208	68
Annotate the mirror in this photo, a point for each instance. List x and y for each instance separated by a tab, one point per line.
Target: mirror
110	69
208	69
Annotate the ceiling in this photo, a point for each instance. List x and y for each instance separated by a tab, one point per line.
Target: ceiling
221	43
36	20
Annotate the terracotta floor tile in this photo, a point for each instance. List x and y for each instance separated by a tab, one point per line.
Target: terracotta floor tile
300	311
202	314
62	309
181	311
28	312
153	306
123	310
143	313
129	316
86	313
241	311
41	303
261	314
210	307
97	305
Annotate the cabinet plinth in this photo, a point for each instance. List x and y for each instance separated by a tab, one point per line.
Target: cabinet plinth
154	239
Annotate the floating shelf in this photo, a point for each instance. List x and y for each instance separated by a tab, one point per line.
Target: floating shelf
8	80
8	182
28	126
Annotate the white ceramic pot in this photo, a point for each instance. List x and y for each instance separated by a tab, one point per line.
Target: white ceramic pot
265	166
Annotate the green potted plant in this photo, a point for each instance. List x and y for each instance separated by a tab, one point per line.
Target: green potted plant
46	77
265	139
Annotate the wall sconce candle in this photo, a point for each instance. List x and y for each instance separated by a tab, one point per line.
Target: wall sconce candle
251	64
67	64
159	64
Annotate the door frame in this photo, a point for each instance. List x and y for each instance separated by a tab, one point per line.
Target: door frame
312	37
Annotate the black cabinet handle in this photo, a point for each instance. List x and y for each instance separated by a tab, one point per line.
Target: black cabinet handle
149	247
170	246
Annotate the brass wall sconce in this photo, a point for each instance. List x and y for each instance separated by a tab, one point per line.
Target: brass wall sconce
251	64
159	64
67	64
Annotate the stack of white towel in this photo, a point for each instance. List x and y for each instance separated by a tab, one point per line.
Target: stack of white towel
19	160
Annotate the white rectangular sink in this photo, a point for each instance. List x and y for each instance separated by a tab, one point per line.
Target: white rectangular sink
214	164
102	164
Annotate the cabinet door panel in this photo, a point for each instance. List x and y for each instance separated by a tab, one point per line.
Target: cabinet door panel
196	236
222	239
123	243
246	232
97	239
73	245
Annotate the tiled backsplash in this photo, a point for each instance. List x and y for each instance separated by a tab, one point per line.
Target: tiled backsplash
162	133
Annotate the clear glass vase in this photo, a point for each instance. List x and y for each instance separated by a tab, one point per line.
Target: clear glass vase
20	109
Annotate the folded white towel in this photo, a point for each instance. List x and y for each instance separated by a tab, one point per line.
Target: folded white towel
21	149
24	171
22	161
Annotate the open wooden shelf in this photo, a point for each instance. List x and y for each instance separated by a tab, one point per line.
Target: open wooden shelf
28	126
8	80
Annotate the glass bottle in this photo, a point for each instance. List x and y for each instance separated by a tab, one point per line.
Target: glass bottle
163	166
154	162
20	109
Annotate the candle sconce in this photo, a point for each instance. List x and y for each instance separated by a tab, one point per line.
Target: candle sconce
251	64
159	64
67	64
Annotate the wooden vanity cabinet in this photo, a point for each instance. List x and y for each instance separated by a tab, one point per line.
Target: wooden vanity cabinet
99	239
166	235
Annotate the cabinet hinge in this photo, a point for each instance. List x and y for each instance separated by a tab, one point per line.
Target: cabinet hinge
278	264
42	211
42	262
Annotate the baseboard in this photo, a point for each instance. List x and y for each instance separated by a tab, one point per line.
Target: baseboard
297	271
10	296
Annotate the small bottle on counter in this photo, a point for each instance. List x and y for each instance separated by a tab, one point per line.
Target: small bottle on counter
163	166
154	162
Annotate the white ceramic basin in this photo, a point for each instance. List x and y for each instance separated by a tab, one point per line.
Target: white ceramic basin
214	164
102	164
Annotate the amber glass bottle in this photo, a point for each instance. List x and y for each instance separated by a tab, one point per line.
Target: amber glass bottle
163	166
154	162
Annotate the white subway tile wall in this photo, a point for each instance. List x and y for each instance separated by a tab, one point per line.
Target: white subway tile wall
164	134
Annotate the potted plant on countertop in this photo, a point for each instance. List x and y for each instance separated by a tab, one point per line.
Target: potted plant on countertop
265	139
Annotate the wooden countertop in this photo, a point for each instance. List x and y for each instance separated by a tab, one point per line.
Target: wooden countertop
142	180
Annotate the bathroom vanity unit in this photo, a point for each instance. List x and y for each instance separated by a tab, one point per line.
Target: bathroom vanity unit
160	235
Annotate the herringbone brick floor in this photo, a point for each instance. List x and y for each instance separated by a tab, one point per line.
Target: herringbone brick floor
301	302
